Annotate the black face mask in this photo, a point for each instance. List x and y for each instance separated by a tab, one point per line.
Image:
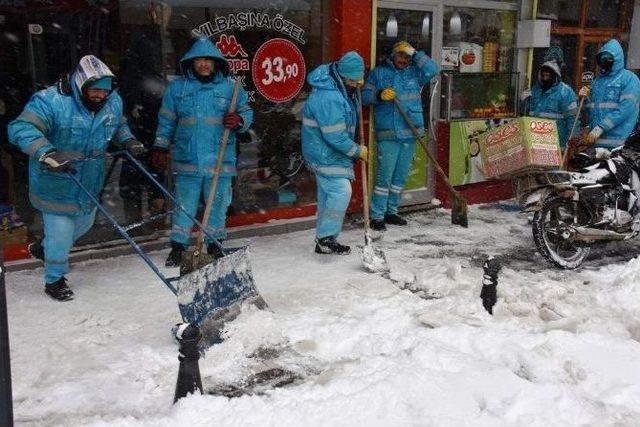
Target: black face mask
605	61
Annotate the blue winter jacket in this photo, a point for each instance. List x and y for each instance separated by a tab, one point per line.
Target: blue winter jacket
407	84
191	116
329	122
614	100
559	102
56	119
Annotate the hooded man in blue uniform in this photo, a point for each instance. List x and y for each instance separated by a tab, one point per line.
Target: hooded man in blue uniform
193	116
67	129
551	98
329	121
614	99
401	77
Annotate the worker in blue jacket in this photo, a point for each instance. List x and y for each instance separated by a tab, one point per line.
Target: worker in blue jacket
329	121
67	129
401	77
193	116
551	98
614	99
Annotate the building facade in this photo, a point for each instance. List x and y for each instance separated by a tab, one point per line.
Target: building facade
270	47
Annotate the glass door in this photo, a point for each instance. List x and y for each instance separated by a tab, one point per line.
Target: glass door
394	24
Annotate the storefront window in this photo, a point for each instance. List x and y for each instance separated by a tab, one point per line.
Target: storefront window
271	173
565	13
142	42
568	46
605	13
477	53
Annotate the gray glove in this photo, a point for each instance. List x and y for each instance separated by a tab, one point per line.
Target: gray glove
135	147
57	162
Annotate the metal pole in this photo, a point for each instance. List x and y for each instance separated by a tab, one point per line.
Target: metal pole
6	405
167	193
124	234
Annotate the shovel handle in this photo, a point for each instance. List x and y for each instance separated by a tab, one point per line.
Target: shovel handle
216	172
363	166
442	173
565	157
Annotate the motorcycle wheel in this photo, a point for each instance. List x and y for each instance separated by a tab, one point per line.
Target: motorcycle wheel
548	226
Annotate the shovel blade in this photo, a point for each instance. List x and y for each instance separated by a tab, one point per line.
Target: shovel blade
373	259
459	211
214	293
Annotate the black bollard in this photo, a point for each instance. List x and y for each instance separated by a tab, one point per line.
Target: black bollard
189	372
488	293
6	405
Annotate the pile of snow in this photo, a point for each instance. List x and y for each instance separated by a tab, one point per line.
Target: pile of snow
411	347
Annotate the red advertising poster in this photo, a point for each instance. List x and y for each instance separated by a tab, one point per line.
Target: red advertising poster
278	70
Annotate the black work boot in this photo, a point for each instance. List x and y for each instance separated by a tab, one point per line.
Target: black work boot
175	256
377	225
214	250
59	290
329	245
37	250
394	219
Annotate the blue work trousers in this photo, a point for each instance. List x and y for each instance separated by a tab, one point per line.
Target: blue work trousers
60	233
333	199
190	190
394	161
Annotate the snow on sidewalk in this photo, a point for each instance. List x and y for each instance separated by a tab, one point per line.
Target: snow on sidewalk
412	348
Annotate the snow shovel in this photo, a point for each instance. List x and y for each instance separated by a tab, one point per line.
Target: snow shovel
373	258
458	204
206	298
211	290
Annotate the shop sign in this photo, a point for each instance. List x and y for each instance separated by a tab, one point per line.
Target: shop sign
230	48
587	77
243	20
449	57
278	70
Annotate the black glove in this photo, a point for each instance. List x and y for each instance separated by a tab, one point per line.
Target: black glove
135	147
57	162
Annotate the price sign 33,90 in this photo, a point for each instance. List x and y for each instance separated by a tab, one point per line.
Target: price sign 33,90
278	70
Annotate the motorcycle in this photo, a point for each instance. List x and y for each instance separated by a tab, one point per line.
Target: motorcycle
574	210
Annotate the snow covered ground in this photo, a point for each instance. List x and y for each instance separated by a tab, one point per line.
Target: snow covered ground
412	348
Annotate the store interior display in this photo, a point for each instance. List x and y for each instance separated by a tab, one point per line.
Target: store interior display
461	98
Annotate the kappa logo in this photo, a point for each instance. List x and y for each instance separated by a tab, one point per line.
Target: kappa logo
230	47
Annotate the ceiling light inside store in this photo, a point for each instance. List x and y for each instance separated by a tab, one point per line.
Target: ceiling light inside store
455	23
392	26
426	26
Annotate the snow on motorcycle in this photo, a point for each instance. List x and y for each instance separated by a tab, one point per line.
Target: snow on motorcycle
574	210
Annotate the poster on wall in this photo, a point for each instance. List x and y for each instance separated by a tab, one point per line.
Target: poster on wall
278	70
465	161
449	57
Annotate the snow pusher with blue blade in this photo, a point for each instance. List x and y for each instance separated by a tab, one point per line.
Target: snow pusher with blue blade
208	296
